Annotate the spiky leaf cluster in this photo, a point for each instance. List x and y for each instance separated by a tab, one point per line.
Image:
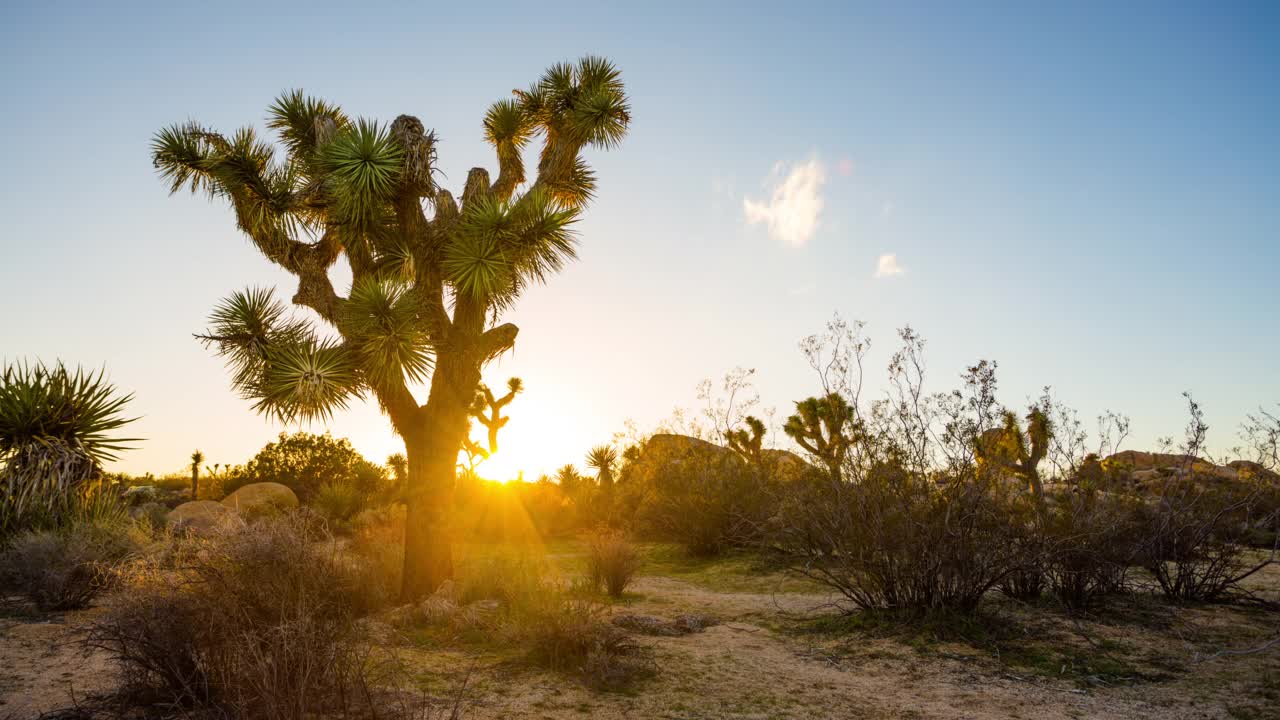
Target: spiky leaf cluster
428	271
57	428
821	425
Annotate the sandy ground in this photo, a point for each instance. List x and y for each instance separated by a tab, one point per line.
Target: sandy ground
756	665
747	668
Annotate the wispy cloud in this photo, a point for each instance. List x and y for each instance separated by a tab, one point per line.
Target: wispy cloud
794	205
888	266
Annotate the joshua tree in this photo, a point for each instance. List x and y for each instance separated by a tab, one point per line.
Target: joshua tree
749	441
821	426
197	457
494	420
428	287
569	480
602	459
1007	449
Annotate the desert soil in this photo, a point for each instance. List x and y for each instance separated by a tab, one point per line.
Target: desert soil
1155	661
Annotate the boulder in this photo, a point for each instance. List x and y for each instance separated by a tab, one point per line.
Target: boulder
262	498
200	517
666	452
1249	470
1138	460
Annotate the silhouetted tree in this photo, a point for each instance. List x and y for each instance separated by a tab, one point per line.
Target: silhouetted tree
427	292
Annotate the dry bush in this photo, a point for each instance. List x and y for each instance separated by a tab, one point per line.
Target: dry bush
707	503
256	622
67	569
1193	539
1089	545
515	579
574	635
612	561
1193	532
893	540
512	598
377	554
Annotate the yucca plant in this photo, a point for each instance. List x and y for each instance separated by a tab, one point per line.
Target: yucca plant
57	428
197	457
428	288
603	459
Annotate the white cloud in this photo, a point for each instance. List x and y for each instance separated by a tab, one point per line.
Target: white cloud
794	204
888	266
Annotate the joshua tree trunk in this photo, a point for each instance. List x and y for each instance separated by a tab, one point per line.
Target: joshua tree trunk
432	449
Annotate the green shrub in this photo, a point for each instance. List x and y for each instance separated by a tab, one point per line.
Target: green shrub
57	429
338	502
305	462
612	561
67	569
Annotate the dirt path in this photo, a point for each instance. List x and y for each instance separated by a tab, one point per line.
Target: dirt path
42	668
744	669
749	667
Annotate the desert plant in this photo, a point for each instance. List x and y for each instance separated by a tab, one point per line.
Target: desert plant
574	635
258	622
305	462
57	428
612	561
748	441
604	460
487	409
197	457
1193	532
67	568
822	427
426	291
1009	450
705	499
338	502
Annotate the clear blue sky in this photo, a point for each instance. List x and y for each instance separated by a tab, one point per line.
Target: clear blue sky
1089	195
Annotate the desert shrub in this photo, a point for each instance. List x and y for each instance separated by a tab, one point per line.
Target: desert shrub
57	429
377	551
338	502
1192	538
68	568
1088	545
612	561
574	635
895	540
305	462
514	598
707	501
257	622
516	579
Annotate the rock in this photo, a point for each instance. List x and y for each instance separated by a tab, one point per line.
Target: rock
263	498
664	453
200	517
1138	460
1249	470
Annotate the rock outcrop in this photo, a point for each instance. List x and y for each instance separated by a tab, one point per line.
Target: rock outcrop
261	498
666	452
200	517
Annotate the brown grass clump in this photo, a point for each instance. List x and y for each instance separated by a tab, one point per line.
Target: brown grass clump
612	561
574	635
66	569
257	622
